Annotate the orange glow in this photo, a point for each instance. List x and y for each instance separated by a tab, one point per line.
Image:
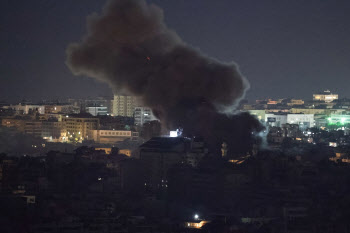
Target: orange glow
196	225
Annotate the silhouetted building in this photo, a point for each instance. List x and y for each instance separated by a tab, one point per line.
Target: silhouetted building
159	154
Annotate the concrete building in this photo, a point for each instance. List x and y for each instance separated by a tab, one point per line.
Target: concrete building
323	111
278	120
321	120
33	128
97	111
98	101
28	108
143	115
124	105
294	102
61	108
52	129
54	116
78	127
325	96
159	154
303	120
111	136
275	120
13	123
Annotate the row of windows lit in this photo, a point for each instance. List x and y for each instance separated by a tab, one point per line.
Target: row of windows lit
116	133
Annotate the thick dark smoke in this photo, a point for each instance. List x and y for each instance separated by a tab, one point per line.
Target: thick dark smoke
130	47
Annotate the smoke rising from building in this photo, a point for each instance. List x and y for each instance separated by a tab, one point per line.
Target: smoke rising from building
130	47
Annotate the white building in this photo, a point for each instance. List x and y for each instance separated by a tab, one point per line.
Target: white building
143	115
303	120
276	120
97	111
326	96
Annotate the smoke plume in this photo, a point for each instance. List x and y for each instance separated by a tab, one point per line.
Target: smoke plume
130	47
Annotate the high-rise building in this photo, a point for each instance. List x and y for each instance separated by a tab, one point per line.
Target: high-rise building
124	105
143	115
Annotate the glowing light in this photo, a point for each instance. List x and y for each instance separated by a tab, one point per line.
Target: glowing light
196	216
173	134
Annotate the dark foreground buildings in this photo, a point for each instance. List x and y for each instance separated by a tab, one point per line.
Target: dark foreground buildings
176	185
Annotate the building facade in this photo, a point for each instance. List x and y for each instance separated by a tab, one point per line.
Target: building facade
124	105
325	96
28	108
64	109
97	111
14	123
143	115
275	120
33	128
75	127
111	136
303	120
294	102
52	129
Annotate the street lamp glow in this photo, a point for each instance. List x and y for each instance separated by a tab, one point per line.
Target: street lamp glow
196	216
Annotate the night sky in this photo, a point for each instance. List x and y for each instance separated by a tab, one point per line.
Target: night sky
284	48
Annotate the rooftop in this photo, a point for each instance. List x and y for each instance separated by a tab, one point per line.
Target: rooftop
163	142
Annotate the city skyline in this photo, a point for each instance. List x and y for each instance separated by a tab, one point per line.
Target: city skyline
284	49
225	116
